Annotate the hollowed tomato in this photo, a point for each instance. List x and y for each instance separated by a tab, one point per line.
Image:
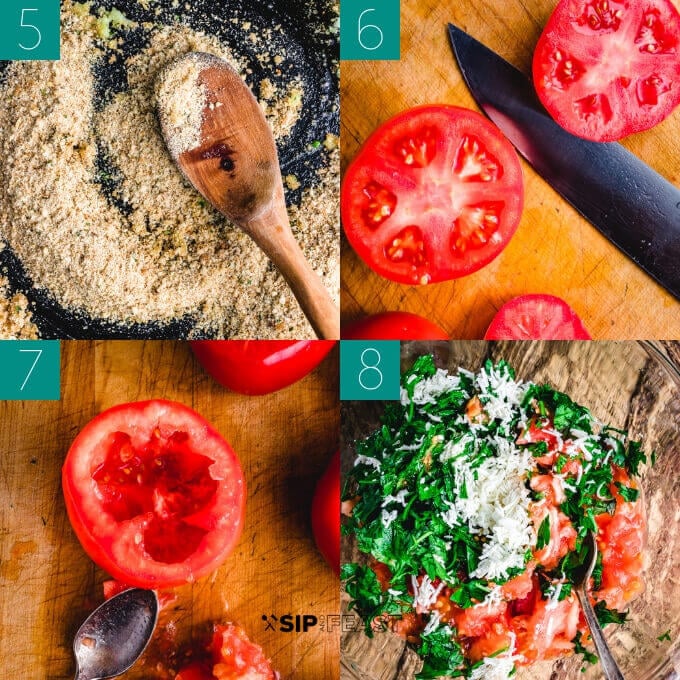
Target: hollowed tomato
607	68
434	194
155	495
393	326
260	366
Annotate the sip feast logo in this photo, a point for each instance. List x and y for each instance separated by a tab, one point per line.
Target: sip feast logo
289	623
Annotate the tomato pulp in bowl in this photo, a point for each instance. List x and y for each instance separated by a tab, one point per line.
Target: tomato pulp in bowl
628	386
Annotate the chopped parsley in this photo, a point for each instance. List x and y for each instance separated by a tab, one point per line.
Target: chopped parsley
444	490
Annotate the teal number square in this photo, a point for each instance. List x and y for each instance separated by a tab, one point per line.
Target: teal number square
370	29
369	370
30	370
29	29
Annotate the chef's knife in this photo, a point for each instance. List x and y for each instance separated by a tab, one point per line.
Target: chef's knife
633	206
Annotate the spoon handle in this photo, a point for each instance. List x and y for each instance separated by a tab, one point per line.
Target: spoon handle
271	231
609	665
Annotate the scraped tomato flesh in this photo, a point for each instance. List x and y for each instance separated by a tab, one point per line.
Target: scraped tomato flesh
232	657
155	495
536	317
605	69
434	194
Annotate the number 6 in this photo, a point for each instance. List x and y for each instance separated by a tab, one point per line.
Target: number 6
35	28
365	28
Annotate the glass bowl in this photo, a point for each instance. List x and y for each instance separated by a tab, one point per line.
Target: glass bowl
631	385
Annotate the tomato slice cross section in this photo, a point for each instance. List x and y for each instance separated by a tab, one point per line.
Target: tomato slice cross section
155	495
434	194
605	69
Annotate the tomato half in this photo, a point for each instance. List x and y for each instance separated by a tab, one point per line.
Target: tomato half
434	194
155	495
233	657
536	317
393	326
260	366
607	68
326	513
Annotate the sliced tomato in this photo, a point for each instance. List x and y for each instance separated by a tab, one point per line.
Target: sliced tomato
536	317
393	326
326	513
607	68
260	366
155	495
434	194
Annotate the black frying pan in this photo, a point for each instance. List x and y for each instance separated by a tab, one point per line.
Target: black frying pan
311	54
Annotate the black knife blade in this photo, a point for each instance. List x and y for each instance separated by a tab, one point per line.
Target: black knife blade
633	206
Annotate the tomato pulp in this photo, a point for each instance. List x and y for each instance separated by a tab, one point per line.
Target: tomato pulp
605	69
233	657
155	495
393	326
536	317
260	366
434	194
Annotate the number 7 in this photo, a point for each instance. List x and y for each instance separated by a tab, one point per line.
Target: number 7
35	351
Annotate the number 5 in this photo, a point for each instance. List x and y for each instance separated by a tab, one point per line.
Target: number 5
35	28
365	28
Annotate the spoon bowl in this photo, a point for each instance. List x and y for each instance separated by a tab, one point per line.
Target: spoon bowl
217	134
114	636
609	666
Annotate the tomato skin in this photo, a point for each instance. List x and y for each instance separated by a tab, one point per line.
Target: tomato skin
435	193
257	367
607	70
179	513
393	326
536	316
326	513
195	671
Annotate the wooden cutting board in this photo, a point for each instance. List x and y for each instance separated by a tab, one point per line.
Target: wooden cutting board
621	386
554	250
48	585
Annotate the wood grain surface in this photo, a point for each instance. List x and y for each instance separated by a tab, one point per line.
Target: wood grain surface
554	250
621	385
48	585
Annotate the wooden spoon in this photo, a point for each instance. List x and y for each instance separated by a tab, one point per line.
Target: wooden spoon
231	159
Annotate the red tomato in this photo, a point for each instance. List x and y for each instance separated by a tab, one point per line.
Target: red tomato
434	194
233	657
326	513
536	317
393	326
607	68
155	495
260	366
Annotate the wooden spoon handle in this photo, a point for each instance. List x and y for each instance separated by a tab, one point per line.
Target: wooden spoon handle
271	231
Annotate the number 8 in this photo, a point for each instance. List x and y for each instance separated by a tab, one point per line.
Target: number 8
364	28
370	367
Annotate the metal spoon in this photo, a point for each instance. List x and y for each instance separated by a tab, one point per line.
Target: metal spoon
609	665
114	636
232	161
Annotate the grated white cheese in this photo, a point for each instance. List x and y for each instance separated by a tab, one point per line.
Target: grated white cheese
500	394
455	449
368	460
497	667
433	623
388	517
427	391
399	498
424	594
